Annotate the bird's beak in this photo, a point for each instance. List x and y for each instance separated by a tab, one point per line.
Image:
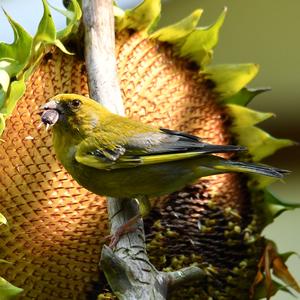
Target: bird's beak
51	113
52	104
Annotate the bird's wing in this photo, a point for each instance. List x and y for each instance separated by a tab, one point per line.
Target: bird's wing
101	154
166	142
145	148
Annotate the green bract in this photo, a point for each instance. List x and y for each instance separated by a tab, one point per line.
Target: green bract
273	207
18	60
7	290
141	18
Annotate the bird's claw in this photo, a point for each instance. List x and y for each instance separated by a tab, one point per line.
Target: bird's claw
128	227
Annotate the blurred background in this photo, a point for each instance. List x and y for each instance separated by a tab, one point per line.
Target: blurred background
265	32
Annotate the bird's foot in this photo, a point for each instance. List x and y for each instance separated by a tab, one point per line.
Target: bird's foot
129	226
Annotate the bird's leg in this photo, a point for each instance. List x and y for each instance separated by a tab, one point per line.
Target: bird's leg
127	227
130	225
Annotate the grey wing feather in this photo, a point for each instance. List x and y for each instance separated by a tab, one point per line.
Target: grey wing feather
168	141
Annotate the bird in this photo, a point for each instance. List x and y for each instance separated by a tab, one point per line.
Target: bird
115	156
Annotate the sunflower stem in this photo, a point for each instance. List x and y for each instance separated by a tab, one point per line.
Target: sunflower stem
127	268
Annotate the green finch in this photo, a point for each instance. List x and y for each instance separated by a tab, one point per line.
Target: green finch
116	156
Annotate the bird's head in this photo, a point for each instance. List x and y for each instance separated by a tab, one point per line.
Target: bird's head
72	111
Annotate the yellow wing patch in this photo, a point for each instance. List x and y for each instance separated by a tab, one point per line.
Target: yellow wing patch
131	161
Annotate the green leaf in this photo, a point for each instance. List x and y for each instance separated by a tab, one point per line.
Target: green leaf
3	220
16	91
199	45
65	12
46	31
61	46
2	97
259	143
273	207
177	31
244	96
19	59
13	57
2	123
244	117
286	255
230	79
142	17
119	14
8	291
261	182
283	288
4	80
73	15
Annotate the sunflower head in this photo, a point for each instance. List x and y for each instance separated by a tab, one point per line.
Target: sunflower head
166	78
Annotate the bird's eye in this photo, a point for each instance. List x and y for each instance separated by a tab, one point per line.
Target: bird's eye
76	103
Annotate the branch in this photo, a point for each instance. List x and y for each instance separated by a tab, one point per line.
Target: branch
99	41
127	269
185	276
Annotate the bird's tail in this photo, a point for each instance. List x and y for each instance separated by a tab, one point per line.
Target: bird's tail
244	167
224	166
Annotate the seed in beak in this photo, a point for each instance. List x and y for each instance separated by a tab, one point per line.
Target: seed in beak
50	117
